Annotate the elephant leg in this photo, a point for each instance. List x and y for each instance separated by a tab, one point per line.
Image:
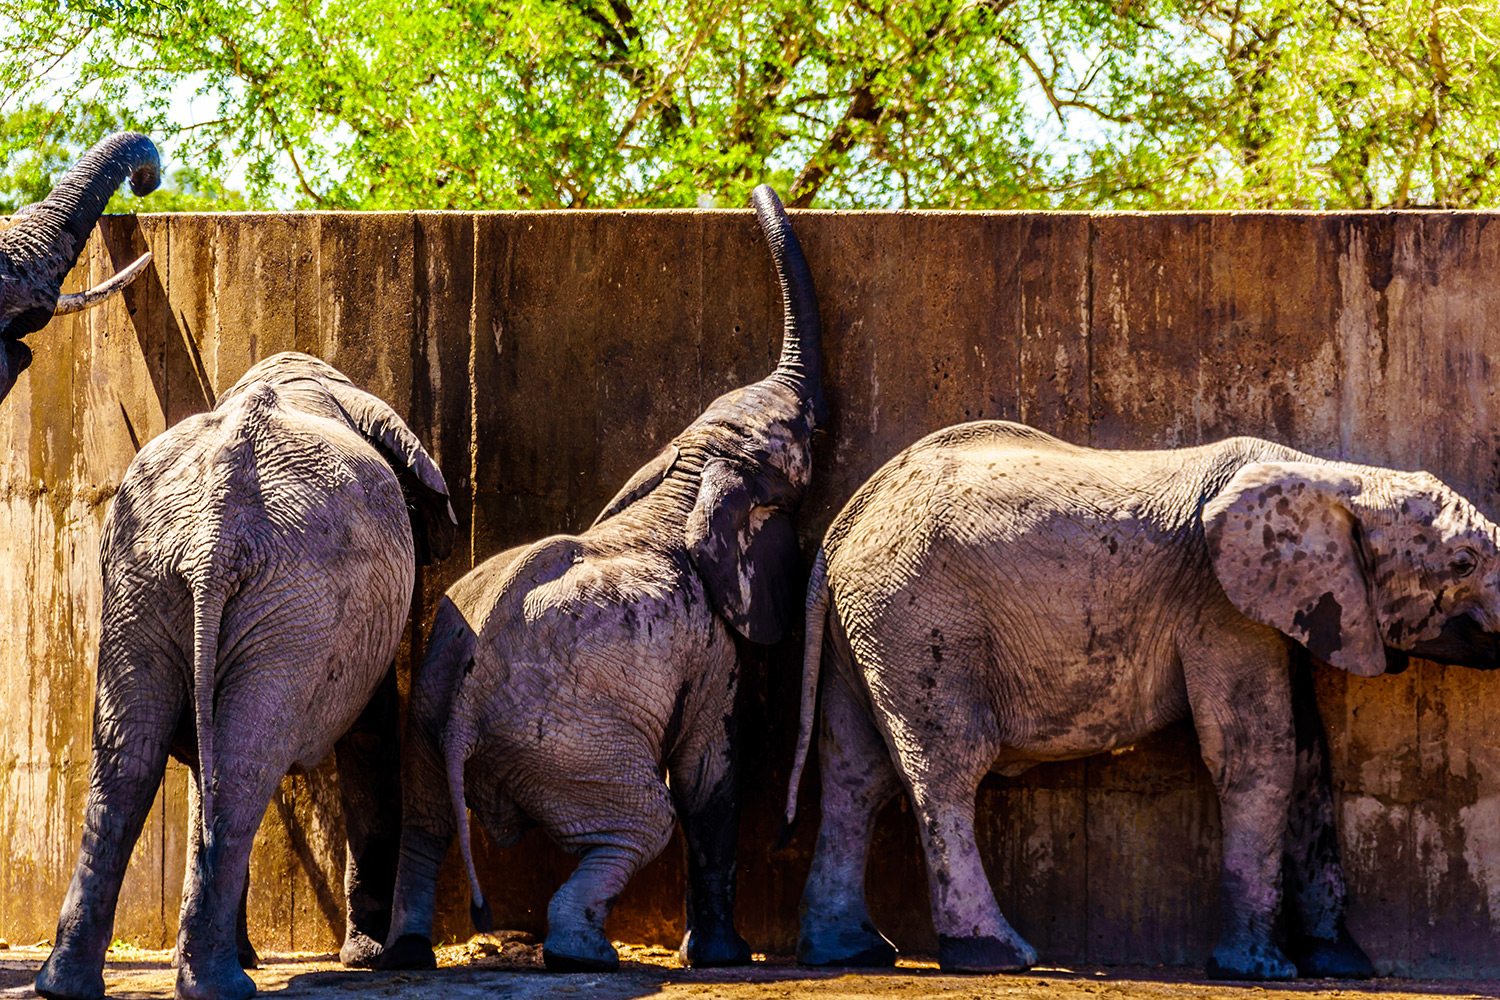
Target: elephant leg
1315	893
209	960
618	825
704	788
1241	706
135	711
248	957
427	827
369	765
858	779
973	935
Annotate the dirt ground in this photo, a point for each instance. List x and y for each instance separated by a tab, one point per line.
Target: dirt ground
509	966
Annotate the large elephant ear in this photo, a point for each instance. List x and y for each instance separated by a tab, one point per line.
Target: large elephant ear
745	551
647	478
433	524
1284	540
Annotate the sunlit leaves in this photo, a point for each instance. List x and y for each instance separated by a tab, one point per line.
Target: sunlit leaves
941	103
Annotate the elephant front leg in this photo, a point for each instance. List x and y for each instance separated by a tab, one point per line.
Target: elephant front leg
369	766
708	806
134	714
1316	895
858	779
1241	709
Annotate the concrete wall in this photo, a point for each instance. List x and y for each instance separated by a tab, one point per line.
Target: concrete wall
542	357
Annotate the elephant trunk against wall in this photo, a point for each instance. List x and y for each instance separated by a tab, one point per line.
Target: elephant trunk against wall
801	361
39	250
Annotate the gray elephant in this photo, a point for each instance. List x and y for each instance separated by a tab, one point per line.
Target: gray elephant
258	566
564	677
38	251
994	597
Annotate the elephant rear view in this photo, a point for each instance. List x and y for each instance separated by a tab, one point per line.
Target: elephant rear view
566	679
258	566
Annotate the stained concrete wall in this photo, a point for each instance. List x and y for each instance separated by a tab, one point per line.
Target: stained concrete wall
542	357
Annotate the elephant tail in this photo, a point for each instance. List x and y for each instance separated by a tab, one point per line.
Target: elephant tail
812	657
208	610
458	743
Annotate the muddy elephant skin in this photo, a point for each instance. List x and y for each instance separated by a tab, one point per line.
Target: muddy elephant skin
258	564
994	597
566	678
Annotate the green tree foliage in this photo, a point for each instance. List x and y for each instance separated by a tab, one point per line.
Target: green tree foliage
841	103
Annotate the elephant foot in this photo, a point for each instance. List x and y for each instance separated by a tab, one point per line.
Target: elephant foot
409	951
218	982
984	954
585	950
708	949
58	982
360	951
1249	961
863	947
245	952
1341	958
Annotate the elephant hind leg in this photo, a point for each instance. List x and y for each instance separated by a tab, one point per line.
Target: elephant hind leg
858	778
209	958
136	706
369	766
617	822
942	775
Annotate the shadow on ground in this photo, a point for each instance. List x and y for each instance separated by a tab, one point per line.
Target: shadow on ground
509	966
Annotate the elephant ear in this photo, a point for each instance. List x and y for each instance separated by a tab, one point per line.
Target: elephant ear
745	550
433	524
1285	544
647	478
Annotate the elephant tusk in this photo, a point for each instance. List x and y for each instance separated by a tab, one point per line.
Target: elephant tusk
79	301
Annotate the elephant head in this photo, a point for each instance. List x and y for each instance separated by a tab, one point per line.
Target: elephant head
747	459
39	250
1363	566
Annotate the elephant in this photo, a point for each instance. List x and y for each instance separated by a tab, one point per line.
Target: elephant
258	568
994	597
38	251
563	678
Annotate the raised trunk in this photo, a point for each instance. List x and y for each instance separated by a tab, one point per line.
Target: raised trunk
48	240
802	333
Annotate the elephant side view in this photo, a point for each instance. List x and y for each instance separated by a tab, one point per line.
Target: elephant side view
258	565
994	597
565	677
38	251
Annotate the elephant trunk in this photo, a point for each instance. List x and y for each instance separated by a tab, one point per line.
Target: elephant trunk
53	232
802	333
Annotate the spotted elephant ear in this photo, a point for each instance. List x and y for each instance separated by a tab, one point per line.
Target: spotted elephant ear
1284	540
744	547
433	523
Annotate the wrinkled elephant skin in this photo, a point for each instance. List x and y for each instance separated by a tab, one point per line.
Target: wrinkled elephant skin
41	247
994	597
258	564
564	677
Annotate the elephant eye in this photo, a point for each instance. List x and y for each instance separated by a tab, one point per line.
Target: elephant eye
1464	563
